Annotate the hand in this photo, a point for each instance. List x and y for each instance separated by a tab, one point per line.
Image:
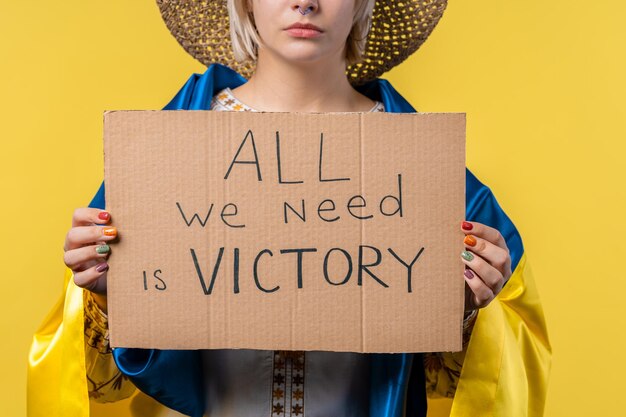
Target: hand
86	251
488	264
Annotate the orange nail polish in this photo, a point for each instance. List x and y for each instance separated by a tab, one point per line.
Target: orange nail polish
109	231
469	240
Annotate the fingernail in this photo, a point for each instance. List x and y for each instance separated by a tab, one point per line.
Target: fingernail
102	267
467	255
102	248
103	215
469	240
109	231
466	226
468	273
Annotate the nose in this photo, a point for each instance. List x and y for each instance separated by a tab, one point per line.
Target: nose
304	6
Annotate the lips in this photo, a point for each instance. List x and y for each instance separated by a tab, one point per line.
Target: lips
304	30
308	26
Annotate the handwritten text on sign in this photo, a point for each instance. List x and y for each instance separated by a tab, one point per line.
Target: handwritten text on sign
286	231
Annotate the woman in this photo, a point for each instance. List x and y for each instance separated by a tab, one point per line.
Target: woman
297	52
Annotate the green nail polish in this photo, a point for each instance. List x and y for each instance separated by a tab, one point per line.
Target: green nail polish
467	255
102	249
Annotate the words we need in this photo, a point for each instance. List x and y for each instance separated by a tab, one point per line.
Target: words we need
388	205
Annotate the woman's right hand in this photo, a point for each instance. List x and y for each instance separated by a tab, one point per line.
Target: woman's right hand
87	249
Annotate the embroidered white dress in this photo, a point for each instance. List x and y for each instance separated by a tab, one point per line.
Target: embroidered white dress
266	383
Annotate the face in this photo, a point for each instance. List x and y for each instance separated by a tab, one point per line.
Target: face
332	19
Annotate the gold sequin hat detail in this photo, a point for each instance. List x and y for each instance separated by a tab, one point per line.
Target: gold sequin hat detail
399	28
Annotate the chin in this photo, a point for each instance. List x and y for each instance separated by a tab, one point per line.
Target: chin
298	53
300	56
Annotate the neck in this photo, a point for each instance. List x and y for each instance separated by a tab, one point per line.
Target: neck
278	85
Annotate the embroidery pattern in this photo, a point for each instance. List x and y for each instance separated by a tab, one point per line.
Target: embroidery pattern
288	384
97	390
443	369
96	325
225	101
105	382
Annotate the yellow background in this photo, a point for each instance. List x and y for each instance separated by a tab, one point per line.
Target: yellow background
542	83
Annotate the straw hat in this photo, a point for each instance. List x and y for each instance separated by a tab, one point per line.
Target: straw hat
399	27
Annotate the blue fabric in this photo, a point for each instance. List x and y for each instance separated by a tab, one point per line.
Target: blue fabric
174	377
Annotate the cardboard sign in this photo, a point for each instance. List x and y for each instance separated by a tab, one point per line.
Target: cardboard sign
296	231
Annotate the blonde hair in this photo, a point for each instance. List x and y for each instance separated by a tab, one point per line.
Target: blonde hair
245	38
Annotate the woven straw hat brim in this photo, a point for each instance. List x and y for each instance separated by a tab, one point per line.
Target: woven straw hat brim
399	28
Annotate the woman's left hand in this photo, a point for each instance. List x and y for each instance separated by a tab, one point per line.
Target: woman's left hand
488	264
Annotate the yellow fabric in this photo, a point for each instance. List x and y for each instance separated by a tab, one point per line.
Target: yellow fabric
505	371
508	360
57	384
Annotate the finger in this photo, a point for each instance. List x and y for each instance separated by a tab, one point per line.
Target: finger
487	273
495	255
82	235
86	216
75	257
482	294
486	232
88	278
84	266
